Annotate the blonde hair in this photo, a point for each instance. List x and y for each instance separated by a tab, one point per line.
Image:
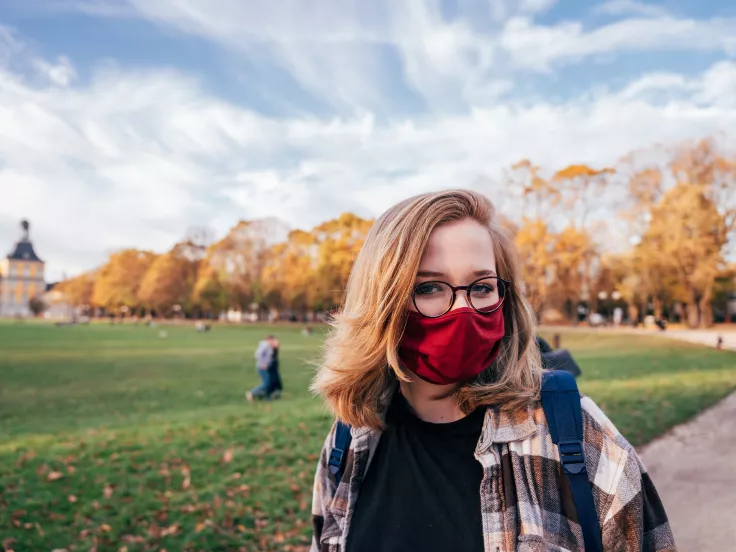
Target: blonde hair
360	360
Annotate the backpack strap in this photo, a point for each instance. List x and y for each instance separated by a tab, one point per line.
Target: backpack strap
561	403
339	452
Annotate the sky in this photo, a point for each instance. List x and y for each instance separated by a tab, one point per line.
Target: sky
125	122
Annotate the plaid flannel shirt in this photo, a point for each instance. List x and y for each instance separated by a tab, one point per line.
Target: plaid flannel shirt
525	498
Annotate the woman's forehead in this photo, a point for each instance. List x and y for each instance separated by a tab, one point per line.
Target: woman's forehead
466	236
459	245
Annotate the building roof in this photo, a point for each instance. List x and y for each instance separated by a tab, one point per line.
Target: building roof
24	252
24	248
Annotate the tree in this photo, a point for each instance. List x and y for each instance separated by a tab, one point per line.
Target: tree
534	242
36	305
538	194
240	258
687	234
209	293
118	281
581	188
170	279
290	274
78	291
572	254
338	243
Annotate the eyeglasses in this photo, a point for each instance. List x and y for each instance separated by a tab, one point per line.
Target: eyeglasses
435	298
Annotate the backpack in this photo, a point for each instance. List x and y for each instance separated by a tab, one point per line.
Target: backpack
561	404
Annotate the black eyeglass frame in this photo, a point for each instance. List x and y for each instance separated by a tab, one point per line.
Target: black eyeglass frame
466	289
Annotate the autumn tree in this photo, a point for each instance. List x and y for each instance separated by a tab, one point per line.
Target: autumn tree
534	237
687	234
240	258
119	280
209	295
572	254
170	279
534	242
290	274
78	291
538	194
580	188
683	215
338	243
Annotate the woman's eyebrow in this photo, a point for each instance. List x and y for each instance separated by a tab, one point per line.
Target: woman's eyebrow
433	274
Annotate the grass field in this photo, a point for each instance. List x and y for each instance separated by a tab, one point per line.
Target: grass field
113	438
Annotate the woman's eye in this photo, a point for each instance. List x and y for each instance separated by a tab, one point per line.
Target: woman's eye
428	289
482	289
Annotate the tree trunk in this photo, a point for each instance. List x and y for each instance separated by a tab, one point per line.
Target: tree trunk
657	308
691	308
706	306
633	314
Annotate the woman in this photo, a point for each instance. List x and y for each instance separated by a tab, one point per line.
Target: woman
433	363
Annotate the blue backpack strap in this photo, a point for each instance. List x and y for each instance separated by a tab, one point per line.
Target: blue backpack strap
561	403
339	452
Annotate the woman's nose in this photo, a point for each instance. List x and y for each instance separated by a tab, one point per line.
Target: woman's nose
461	301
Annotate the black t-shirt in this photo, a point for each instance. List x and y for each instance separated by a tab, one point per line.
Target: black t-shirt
422	489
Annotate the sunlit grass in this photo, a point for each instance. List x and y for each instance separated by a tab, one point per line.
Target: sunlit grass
111	436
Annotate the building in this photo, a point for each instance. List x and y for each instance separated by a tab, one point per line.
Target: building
21	277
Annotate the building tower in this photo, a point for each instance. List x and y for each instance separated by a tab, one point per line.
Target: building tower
21	276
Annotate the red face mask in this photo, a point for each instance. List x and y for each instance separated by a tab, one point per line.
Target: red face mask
453	348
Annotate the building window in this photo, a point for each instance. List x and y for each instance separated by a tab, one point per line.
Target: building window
26	271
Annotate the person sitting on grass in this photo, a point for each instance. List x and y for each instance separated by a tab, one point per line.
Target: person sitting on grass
263	356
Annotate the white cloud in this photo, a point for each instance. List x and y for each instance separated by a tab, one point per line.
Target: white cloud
536	6
630	7
60	73
10	45
539	47
135	158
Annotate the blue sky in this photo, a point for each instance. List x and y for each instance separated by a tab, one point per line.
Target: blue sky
124	122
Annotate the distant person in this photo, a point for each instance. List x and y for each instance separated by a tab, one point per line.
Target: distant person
274	376
263	356
442	442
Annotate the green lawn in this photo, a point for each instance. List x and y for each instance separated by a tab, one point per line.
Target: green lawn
114	438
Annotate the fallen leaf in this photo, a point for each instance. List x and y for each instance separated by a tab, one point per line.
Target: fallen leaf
242	528
54	475
72	499
105	528
70	469
107	491
123	549
199	528
172	530
228	456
